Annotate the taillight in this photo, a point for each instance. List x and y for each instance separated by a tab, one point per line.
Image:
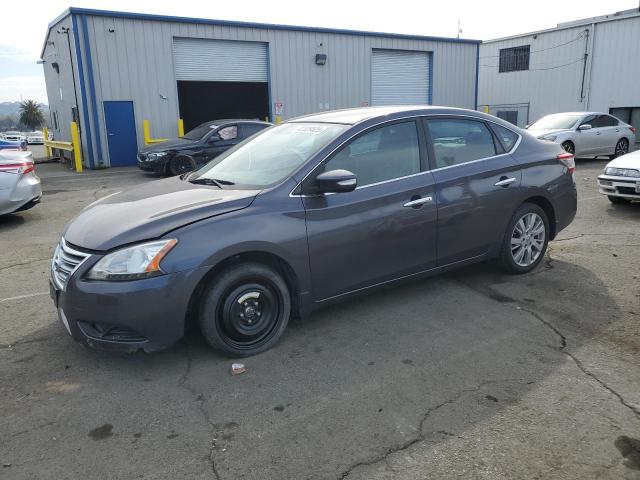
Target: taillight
568	160
633	130
20	168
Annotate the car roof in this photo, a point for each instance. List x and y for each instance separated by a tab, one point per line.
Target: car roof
223	121
351	116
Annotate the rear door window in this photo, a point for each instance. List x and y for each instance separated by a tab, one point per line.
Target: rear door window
248	129
457	141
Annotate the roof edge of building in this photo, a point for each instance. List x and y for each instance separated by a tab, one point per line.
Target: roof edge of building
236	23
566	26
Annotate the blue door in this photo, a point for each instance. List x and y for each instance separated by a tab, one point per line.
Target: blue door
121	133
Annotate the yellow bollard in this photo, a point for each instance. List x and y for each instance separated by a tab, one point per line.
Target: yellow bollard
146	132
47	148
77	148
180	127
278	119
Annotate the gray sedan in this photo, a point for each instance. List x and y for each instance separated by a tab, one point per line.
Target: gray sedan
19	185
586	134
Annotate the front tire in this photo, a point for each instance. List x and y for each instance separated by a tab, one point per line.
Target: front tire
181	164
525	240
245	310
622	148
618	200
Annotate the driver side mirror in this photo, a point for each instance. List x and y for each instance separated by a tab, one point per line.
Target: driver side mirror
336	181
585	126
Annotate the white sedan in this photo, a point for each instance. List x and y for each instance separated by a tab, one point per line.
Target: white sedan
621	178
20	187
35	138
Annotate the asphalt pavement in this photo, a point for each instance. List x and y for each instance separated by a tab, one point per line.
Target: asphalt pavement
473	374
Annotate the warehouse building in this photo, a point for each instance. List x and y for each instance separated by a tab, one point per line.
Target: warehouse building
111	71
584	65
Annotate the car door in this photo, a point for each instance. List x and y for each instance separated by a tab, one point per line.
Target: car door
588	142
386	227
476	183
219	141
610	134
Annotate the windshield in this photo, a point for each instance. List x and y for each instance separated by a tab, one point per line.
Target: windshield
271	156
200	131
555	122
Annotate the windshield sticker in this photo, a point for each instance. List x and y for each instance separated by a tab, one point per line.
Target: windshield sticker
315	130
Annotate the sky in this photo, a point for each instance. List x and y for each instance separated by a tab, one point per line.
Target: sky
23	29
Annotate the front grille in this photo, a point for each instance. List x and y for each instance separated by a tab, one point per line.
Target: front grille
627	191
66	260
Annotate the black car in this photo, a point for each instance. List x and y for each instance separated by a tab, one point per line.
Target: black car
198	147
305	214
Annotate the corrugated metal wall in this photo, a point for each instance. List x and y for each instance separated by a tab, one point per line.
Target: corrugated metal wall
132	60
553	82
60	85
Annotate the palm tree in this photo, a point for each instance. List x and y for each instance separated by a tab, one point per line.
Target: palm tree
30	114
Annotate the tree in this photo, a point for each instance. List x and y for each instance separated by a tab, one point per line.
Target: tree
30	114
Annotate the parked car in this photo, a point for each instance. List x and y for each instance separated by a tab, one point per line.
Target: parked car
13	136
19	185
35	138
586	134
303	214
197	147
12	144
620	180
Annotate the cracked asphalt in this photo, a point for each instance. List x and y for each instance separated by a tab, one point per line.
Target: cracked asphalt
473	374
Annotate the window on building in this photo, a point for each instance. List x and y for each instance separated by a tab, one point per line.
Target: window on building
514	59
510	116
459	141
382	154
55	120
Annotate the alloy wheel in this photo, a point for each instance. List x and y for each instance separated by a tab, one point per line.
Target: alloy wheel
528	239
622	147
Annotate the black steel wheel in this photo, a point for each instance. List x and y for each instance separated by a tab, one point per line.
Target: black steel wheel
181	164
245	310
569	147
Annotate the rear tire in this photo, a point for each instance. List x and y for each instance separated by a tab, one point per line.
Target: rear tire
245	310
181	164
621	148
618	200
525	240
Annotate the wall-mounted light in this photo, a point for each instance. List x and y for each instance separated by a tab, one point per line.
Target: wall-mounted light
321	58
163	97
56	67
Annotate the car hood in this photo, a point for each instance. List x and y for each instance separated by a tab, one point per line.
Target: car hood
149	211
630	160
539	132
173	144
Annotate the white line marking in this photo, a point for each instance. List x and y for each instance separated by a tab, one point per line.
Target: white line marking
20	297
589	198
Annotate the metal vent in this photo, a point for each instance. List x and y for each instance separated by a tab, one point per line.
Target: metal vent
65	262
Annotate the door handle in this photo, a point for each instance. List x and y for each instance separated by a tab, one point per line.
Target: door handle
598	133
418	202
504	182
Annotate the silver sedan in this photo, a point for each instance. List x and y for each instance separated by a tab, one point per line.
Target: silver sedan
20	187
586	134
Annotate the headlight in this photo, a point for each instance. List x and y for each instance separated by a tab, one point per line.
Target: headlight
621	172
132	263
153	156
551	138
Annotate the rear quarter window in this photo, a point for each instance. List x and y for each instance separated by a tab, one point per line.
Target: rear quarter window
506	137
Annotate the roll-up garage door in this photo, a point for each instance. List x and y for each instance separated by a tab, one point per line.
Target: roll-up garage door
400	77
198	59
